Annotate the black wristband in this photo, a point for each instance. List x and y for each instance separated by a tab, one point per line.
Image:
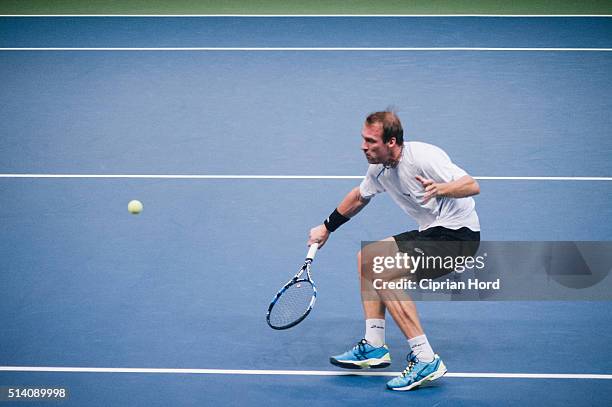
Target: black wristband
335	220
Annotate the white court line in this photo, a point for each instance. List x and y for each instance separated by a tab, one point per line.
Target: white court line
292	372
229	176
179	176
306	49
318	15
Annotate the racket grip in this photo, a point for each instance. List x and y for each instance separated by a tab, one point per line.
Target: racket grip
312	251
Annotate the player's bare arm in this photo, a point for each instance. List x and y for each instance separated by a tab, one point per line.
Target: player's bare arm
352	203
459	188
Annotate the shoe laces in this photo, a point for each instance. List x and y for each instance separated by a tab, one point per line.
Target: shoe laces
361	346
412	361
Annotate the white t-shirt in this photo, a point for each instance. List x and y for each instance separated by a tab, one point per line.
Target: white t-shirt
430	162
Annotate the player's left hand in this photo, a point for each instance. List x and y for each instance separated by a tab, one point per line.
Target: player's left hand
432	188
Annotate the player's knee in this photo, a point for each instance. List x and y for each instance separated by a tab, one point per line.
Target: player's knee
364	265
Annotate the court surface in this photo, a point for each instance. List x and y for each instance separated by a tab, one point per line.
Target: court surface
241	133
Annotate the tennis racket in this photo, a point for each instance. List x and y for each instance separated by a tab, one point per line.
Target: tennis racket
295	300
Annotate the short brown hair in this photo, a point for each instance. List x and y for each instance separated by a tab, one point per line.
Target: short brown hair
392	127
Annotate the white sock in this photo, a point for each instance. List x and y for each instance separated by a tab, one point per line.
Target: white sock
375	332
421	348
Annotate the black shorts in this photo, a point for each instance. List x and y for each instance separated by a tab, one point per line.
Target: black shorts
438	241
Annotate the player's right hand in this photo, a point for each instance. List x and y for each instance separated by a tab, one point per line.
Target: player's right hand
318	234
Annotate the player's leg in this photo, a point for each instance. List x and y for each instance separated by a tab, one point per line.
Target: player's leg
373	306
403	309
374	278
371	351
404	313
423	364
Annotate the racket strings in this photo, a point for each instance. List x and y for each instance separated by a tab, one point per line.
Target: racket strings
293	303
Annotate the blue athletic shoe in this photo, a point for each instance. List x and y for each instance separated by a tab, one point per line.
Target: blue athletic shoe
363	355
417	373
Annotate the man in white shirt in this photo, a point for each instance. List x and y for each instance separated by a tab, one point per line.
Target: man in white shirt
436	193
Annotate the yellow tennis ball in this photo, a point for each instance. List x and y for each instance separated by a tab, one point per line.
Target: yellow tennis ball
135	207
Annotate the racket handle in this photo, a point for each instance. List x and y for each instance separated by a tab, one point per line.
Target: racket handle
312	251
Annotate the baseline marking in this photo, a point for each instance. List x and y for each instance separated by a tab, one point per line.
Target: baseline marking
294	372
317	15
222	176
317	49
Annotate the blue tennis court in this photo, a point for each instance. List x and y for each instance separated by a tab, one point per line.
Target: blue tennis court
239	134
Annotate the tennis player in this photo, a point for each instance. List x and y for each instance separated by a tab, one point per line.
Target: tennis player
436	193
